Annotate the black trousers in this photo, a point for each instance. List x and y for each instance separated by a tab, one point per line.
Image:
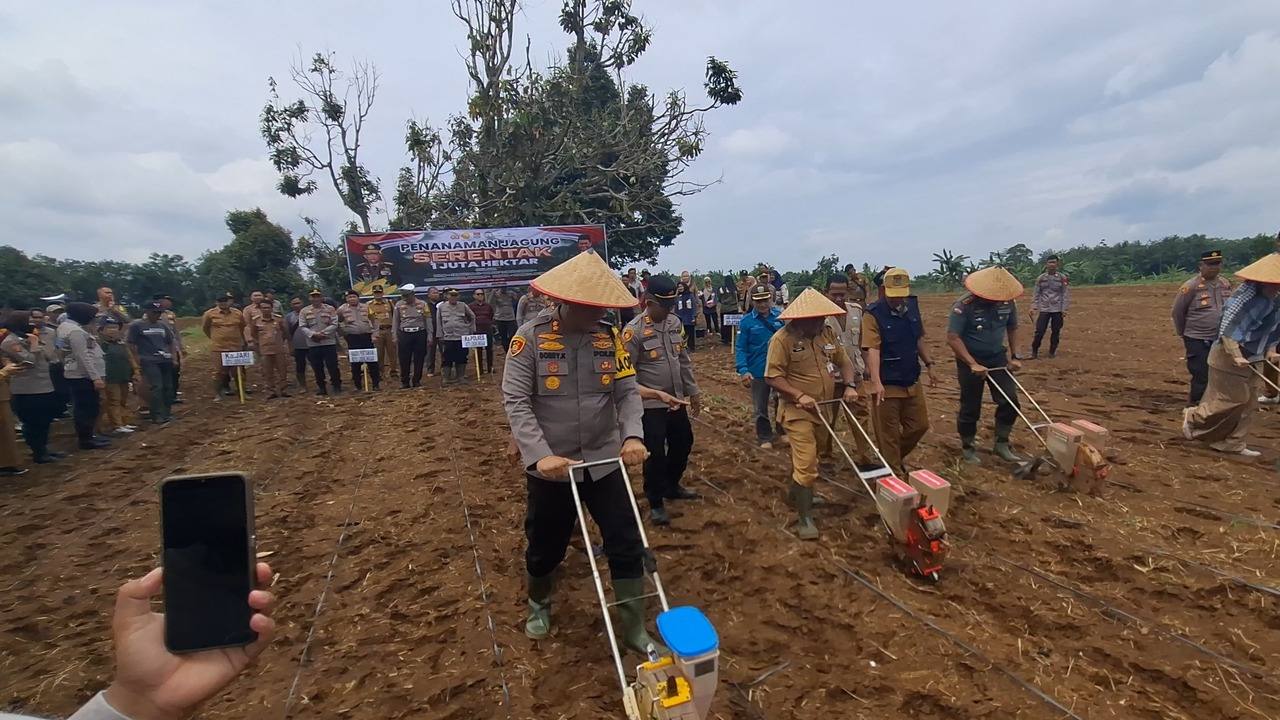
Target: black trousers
61	390
1198	366
550	518
160	381
486	354
176	375
971	389
300	356
668	436
36	413
1044	322
454	353
506	331
85	406
325	358
713	321
690	334
413	352
362	341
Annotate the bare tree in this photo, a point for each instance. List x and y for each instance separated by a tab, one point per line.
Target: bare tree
320	133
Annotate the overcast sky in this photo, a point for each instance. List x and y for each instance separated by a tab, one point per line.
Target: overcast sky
881	132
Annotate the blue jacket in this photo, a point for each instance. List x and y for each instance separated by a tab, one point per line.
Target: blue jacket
687	308
754	335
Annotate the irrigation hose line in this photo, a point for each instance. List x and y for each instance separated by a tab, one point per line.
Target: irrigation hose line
925	620
1245	667
484	588
333	561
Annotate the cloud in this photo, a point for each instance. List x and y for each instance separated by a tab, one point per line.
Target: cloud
757	142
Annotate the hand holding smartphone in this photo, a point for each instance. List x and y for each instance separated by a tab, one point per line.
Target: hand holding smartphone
208	558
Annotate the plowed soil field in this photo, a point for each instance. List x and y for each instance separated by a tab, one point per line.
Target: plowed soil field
394	522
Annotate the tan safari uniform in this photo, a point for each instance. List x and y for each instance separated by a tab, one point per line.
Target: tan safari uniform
384	335
225	331
272	339
808	365
570	395
661	357
850	336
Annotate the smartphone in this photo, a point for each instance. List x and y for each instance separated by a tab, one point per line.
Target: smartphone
207	528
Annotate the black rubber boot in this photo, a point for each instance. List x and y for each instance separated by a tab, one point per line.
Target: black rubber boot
629	593
968	451
1002	449
538	625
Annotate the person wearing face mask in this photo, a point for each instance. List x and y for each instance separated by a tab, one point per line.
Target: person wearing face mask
85	370
893	337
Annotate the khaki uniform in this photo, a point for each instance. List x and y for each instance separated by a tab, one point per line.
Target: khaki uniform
272	339
850	336
574	396
384	336
1230	401
809	366
8	437
225	331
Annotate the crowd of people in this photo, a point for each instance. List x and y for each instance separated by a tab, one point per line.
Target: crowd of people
598	370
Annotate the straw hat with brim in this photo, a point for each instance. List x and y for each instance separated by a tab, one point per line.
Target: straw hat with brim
1266	270
585	280
993	283
810	304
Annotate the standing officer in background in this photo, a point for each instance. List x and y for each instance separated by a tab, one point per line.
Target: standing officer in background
319	323
656	345
484	313
170	318
570	393
412	322
1051	299
531	305
357	328
893	335
456	320
297	341
384	334
976	334
805	362
504	315
848	330
1197	312
271	338
224	326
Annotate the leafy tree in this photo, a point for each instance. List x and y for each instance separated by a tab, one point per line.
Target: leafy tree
335	107
261	255
576	143
951	268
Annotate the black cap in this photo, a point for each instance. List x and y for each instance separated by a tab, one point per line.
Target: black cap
314	292
662	291
153	306
226	296
1211	256
1053	258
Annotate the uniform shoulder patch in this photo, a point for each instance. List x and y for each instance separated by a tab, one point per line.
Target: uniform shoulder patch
1066	280
517	345
628	334
1184	289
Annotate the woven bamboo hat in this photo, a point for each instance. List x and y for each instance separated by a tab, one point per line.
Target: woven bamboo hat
1266	270
585	280
993	283
810	304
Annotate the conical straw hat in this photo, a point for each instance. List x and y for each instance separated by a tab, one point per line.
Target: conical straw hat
585	280
810	304
1266	270
993	283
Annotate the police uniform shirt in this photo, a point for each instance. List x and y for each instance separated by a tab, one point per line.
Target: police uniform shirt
413	317
850	337
982	325
811	366
354	320
1197	310
661	357
320	319
1052	294
384	271
571	395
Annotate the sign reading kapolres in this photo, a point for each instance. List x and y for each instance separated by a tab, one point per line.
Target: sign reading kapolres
464	259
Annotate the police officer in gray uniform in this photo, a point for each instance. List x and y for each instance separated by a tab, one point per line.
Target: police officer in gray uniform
655	341
1051	299
570	394
976	334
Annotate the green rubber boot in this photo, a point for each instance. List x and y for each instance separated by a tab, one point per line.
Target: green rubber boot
804	527
968	451
538	626
1002	449
629	593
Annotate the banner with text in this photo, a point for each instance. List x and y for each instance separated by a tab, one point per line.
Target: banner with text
464	259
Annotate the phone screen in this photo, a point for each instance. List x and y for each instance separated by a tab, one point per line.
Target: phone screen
208	573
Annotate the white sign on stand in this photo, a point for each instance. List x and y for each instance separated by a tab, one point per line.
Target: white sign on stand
732	320
475	341
362	355
237	359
